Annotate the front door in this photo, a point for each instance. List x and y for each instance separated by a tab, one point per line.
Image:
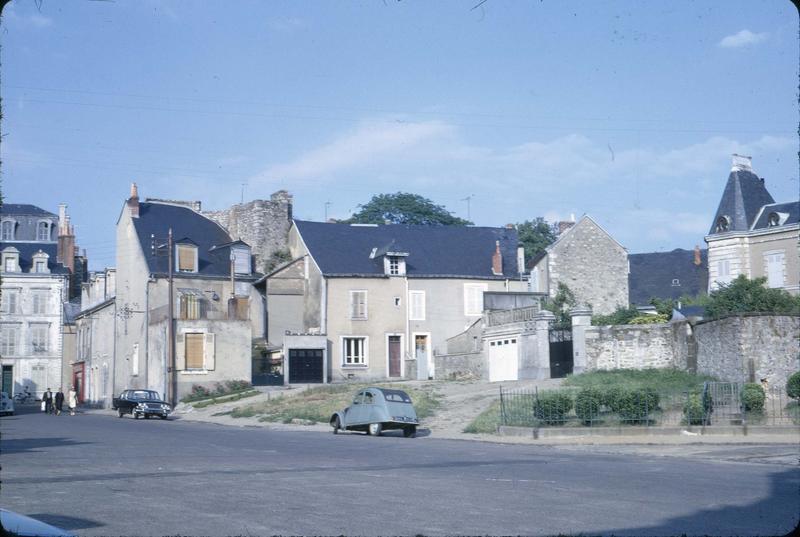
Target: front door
395	355
8	379
77	381
424	362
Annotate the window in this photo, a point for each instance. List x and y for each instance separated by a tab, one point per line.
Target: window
39	338
396	301
187	258
394	266
473	298
723	224
241	260
39	301
354	351
194	351
10	300
10	264
9	334
774	262
43	231
676	282
724	270
8	230
190	306
358	305
416	305
41	266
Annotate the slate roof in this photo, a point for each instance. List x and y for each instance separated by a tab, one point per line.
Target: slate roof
651	275
789	210
28	249
433	251
213	256
742	199
23	209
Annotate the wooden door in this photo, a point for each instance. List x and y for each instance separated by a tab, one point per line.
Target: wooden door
395	355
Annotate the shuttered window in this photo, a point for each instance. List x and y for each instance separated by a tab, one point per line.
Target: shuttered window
187	258
241	260
194	351
473	298
358	304
775	266
416	305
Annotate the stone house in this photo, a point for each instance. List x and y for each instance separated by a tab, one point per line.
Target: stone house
752	234
216	313
589	261
378	302
38	260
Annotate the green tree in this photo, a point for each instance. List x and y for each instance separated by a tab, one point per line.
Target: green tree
560	305
404	208
744	295
535	235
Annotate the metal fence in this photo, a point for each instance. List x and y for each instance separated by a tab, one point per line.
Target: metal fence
708	405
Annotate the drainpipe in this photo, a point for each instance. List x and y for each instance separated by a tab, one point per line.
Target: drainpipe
114	355
407	334
147	331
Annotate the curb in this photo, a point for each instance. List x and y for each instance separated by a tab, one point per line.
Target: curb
536	433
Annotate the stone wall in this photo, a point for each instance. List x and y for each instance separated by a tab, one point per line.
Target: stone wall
592	264
749	348
263	224
635	346
470	365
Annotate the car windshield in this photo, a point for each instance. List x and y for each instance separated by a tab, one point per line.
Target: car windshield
144	394
396	396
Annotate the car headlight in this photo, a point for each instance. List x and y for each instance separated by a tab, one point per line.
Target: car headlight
164	407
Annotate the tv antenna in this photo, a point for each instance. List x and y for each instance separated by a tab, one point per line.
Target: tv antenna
468	199
327	204
244	186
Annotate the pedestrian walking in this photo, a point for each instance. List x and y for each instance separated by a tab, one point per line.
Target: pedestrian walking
48	401
72	400
59	401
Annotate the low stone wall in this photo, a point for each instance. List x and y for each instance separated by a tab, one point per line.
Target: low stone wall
636	346
471	365
749	348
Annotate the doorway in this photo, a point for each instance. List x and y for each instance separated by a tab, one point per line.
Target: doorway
8	379
395	349
422	353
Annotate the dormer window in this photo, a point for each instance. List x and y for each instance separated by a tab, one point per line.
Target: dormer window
10	260
723	224
7	230
241	260
43	231
40	263
187	257
394	265
676	282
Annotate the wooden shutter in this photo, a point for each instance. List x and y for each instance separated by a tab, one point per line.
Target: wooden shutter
358	304
180	352
209	361
186	258
194	351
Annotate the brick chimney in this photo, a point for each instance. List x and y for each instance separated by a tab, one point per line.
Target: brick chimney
563	226
65	249
698	260
497	260
133	201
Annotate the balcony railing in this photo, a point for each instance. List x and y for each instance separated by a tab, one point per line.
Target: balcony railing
518	315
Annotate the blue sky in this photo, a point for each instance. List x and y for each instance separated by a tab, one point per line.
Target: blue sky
627	111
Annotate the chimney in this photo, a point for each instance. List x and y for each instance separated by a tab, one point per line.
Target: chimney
65	249
62	218
562	226
520	259
509	226
497	260
133	201
742	163
698	260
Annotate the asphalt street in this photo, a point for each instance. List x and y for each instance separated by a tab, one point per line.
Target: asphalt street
101	475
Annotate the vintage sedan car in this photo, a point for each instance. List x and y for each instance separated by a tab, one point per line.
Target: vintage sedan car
6	405
141	403
375	410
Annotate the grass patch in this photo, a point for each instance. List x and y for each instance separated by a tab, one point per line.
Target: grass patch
317	404
226	398
486	422
665	381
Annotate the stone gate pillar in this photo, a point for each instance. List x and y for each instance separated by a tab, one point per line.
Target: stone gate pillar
542	321
581	318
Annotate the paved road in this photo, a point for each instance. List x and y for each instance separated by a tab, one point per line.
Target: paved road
101	475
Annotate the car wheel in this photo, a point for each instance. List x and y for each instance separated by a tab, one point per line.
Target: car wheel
120	413
374	429
147	416
163	416
410	431
134	415
336	425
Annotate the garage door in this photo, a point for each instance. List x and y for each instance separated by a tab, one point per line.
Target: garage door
503	360
305	366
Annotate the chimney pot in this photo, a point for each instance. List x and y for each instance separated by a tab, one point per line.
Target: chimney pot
742	163
133	201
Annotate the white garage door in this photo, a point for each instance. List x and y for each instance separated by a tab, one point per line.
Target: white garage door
503	359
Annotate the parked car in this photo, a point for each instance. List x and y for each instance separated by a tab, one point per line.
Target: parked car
25	526
141	403
6	405
375	410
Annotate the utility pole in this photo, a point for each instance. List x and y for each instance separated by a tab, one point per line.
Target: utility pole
173	377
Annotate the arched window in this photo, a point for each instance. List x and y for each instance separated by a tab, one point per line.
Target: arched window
774	219
8	230
43	231
723	224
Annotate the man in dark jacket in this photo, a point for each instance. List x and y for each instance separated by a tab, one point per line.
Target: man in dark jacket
59	401
48	401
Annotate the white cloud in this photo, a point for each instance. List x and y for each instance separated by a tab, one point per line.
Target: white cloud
742	39
13	18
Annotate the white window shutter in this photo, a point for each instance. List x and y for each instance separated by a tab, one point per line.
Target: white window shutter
209	351
180	352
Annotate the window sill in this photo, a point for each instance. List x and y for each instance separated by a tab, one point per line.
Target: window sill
194	372
355	366
359	319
